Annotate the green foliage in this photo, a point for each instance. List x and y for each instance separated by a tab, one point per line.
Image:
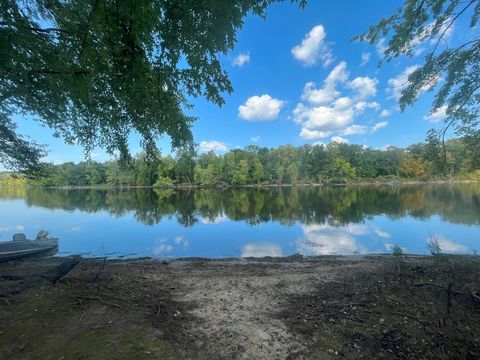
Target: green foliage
95	71
337	163
341	171
16	152
432	152
412	167
240	175
293	173
163	182
426	23
397	250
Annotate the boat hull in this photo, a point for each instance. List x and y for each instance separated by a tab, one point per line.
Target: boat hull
11	250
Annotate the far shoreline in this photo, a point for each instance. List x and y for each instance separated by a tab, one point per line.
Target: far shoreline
186	186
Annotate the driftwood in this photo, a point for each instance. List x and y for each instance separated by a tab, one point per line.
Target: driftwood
61	270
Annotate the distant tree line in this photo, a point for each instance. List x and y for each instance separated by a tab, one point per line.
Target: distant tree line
253	165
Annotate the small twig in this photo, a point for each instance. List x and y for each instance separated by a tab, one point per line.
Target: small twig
81	317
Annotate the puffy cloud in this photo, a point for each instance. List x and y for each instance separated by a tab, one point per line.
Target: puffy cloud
385	113
162	248
262	107
314	48
364	87
212	145
255	138
339	140
261	250
379	125
241	59
324	112
326	240
323	239
448	246
365	58
321	121
363	105
438	115
354	130
329	92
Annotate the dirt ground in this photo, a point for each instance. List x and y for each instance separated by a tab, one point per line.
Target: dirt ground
372	307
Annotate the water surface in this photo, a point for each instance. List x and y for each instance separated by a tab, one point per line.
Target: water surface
244	222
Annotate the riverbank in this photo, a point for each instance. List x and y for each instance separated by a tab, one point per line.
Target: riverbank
254	186
272	308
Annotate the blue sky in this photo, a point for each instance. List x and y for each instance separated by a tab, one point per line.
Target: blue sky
298	79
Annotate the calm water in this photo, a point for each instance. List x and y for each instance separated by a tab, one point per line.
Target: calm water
247	222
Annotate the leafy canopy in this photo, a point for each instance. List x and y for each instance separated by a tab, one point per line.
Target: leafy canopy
96	70
454	68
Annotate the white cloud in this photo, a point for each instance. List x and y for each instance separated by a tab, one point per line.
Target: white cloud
363	105
398	83
339	140
364	87
261	250
365	58
262	107
75	229
241	59
385	113
448	246
438	115
255	138
326	240
356	229
382	234
322	121
325	112
354	130
329	92
212	145
314	48
162	248
379	125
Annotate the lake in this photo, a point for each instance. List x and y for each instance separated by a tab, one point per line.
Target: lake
165	223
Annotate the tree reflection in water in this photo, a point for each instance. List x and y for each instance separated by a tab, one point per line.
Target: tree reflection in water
332	206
